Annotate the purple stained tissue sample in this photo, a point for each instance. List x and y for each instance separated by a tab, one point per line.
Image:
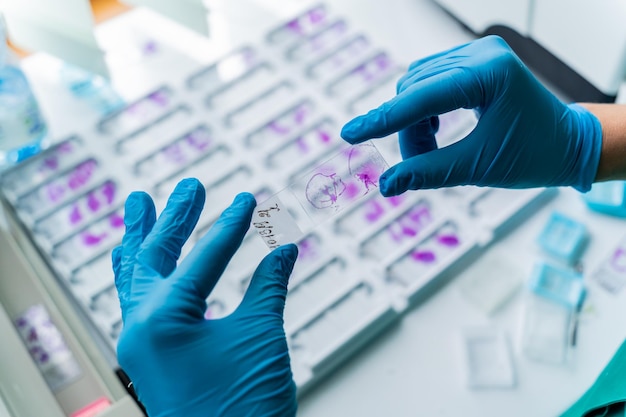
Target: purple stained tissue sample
92	202
316	15
323	191
424	256
51	163
409	231
108	190
448	240
324	136
300	114
116	220
295	27
75	216
90	239
366	170
81	174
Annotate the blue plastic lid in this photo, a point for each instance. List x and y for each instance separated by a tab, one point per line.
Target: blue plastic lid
563	238
561	285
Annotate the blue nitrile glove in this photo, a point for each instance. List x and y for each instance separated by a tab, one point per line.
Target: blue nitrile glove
180	363
525	136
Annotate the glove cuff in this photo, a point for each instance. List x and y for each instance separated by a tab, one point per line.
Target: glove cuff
589	137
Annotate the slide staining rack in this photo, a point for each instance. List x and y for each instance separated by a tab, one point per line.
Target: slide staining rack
260	119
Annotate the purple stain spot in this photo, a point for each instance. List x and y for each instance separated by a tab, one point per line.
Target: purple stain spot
55	192
306	249
618	260
300	114
316	16
277	128
159	97
81	174
362	71
248	56
448	240
375	213
352	190
395	201
208	314
323	191
92	202
21	322
324	136
408	231
395	235
116	220
382	62
75	216
295	27
90	239
174	153
367	180
150	48
50	163
65	147
198	140
108	190
134	109
32	336
421	215
362	164
423	256
302	145
44	358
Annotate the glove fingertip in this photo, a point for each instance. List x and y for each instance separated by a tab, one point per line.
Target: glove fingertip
289	254
391	183
351	131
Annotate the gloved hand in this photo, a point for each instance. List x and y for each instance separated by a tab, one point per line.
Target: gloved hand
525	136
180	363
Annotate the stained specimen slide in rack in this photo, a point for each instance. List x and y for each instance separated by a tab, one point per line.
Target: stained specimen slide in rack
264	118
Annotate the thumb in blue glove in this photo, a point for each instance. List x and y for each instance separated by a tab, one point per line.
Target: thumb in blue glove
180	363
525	137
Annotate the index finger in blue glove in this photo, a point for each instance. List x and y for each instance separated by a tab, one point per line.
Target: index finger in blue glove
439	93
268	287
139	218
161	248
210	256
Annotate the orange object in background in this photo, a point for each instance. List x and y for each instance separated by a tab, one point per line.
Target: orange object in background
106	9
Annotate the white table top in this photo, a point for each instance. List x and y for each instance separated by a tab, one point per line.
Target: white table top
416	367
